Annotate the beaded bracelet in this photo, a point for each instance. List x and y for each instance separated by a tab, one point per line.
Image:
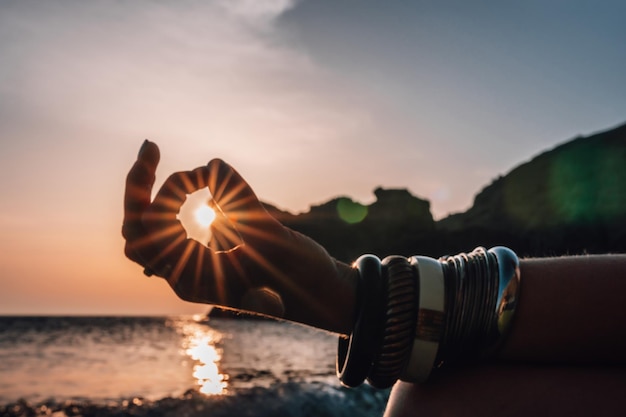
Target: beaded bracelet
419	314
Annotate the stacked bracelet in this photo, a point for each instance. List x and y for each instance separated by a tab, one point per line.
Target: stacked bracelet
482	289
380	342
418	314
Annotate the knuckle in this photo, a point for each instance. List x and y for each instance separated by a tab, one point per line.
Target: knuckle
176	178
132	254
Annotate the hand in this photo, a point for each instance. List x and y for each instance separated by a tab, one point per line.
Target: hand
274	271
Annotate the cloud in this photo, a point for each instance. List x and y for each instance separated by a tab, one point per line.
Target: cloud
257	13
223	69
203	79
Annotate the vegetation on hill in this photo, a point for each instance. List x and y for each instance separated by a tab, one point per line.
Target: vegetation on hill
568	200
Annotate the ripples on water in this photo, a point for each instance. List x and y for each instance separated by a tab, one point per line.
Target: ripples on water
108	360
92	358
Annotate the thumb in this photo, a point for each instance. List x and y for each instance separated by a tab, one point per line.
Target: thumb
264	301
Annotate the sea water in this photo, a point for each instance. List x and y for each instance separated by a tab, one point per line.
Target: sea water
174	366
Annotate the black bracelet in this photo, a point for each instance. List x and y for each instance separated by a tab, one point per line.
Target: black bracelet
399	326
355	354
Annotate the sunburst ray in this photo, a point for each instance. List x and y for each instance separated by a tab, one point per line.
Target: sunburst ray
182	262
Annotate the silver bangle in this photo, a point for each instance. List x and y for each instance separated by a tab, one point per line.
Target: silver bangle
508	294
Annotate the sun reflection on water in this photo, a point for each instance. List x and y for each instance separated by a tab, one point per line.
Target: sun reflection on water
199	343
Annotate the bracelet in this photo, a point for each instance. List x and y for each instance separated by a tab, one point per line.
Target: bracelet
429	319
508	295
481	293
356	353
420	314
399	325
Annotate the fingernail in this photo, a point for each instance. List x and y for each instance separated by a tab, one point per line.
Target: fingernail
142	149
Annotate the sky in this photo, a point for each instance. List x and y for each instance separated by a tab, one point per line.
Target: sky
307	99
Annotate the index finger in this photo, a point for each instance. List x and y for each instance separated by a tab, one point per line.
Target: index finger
233	194
139	183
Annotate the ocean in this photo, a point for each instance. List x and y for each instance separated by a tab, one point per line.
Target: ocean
172	366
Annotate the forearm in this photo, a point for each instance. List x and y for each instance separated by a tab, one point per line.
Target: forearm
513	390
328	307
571	314
571	309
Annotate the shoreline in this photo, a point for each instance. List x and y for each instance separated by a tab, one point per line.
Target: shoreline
285	399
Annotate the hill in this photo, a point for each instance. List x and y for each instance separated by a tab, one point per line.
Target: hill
568	200
397	220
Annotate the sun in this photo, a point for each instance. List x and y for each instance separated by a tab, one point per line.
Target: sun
204	215
196	216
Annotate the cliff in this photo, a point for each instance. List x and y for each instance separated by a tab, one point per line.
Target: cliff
568	200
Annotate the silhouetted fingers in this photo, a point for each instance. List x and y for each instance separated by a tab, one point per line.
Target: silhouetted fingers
233	194
175	189
139	182
165	231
